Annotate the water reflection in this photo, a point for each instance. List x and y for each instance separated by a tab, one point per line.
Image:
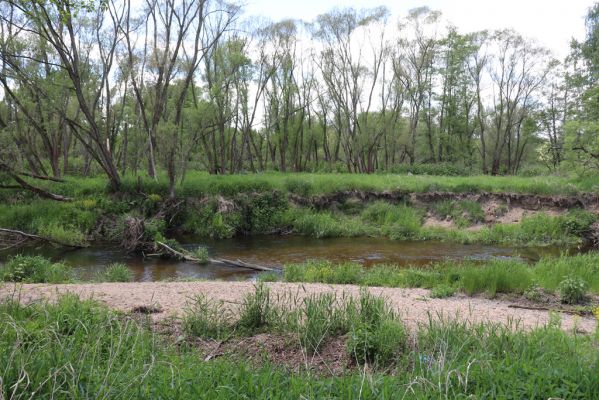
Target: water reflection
276	251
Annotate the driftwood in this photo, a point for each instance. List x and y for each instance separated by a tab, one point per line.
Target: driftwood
571	312
218	261
22	237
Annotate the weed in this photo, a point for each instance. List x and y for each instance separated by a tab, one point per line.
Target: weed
34	269
442	291
572	290
116	272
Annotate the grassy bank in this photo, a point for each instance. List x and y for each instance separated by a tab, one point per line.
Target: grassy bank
83	221
200	184
490	278
78	349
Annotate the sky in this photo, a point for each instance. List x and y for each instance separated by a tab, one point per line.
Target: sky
553	23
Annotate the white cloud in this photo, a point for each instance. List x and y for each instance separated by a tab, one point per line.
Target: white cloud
552	23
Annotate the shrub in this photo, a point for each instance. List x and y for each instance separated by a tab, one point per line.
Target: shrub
576	222
533	292
116	272
572	290
35	269
201	253
442	291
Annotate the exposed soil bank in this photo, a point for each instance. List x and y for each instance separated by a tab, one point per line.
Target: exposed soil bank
414	305
527	201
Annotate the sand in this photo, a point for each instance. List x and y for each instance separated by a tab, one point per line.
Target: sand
414	305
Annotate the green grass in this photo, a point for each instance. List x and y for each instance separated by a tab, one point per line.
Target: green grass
116	272
463	213
200	183
78	349
226	206
489	278
34	269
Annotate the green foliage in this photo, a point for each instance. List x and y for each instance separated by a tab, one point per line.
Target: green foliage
109	351
496	277
442	291
64	222
317	321
491	277
323	271
463	213
533	292
577	222
201	253
35	269
398	222
256	309
572	290
206	318
116	272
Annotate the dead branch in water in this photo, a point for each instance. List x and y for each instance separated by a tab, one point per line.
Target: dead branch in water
24	237
217	261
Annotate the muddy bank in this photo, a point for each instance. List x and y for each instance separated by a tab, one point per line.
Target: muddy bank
414	305
526	201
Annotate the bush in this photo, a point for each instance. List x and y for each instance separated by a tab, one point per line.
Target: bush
35	269
533	292
442	291
572	290
201	253
116	272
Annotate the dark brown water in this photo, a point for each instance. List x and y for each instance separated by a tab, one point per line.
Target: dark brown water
276	251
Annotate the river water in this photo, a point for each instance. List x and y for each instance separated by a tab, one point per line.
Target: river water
276	251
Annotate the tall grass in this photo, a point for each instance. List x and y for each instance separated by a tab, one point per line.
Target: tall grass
78	349
35	269
490	278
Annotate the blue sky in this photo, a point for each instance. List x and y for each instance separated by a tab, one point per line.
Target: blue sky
551	22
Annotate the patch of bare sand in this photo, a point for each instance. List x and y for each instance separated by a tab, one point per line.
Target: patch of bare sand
414	305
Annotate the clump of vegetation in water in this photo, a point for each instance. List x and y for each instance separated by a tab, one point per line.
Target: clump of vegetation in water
35	269
201	254
116	272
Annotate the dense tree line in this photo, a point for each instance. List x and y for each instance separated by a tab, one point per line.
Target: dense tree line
173	85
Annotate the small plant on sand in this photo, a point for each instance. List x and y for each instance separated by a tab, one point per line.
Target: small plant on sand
316	321
533	292
116	272
376	335
442	291
256	309
572	290
206	318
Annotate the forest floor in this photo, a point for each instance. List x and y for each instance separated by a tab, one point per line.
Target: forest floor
415	306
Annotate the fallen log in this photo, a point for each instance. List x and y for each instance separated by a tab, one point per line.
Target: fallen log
559	310
218	261
24	236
